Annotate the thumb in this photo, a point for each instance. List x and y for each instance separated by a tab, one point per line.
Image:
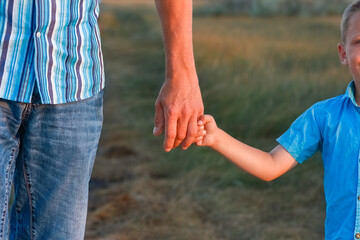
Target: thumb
159	120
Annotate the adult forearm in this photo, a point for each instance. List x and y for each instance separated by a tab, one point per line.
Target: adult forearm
176	22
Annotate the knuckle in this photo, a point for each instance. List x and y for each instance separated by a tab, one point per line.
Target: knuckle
186	112
182	131
170	135
158	122
172	111
181	136
188	140
192	132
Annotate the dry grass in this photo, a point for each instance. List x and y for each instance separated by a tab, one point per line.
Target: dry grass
142	3
257	76
127	3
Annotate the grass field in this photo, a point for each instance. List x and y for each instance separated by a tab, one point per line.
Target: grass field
257	75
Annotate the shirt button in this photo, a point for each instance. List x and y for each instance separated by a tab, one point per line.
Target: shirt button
359	198
38	34
357	236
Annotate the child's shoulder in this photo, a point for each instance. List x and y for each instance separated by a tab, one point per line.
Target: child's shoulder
329	109
330	104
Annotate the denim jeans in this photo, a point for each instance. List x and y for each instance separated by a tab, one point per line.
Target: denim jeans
49	152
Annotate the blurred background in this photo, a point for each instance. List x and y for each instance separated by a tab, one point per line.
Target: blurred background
260	63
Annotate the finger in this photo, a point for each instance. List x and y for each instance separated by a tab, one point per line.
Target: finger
200	133
191	133
181	131
170	132
197	139
206	118
158	120
201	120
199	143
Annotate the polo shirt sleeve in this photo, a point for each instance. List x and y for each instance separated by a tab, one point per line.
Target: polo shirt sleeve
303	138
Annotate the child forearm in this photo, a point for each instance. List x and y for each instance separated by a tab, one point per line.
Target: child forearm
266	166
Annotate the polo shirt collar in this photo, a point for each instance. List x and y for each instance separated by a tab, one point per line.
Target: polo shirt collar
350	93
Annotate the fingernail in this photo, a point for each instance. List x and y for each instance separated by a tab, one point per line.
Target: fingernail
155	130
200	122
167	149
204	131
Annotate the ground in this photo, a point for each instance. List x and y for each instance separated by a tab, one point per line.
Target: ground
256	76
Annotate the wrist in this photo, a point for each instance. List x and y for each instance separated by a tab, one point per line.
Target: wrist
217	136
182	76
181	70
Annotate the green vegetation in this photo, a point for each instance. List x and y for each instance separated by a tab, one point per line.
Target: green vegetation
273	7
256	76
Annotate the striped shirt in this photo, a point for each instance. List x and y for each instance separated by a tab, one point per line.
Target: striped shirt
53	45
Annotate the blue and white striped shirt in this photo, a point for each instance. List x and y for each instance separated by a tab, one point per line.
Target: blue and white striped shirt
53	44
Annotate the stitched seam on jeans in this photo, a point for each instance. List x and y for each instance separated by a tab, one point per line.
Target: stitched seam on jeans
5	210
28	188
17	218
26	111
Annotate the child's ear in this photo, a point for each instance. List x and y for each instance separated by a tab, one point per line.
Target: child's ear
342	54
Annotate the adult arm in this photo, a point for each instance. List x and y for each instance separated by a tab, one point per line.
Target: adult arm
179	103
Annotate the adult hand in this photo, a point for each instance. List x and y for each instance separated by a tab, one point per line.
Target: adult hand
177	109
179	103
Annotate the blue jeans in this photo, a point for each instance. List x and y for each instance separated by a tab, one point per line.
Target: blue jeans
49	152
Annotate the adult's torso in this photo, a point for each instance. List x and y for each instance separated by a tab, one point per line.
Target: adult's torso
55	44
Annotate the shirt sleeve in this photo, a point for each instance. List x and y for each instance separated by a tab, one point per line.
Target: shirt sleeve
303	138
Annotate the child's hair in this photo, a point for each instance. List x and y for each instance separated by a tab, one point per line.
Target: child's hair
353	8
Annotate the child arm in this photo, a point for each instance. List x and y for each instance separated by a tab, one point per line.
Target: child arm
266	166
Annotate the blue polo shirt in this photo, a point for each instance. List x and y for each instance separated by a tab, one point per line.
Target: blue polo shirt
333	127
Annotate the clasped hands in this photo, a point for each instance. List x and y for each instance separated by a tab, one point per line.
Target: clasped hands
177	110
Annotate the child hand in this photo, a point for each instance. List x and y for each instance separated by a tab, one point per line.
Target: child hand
206	131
